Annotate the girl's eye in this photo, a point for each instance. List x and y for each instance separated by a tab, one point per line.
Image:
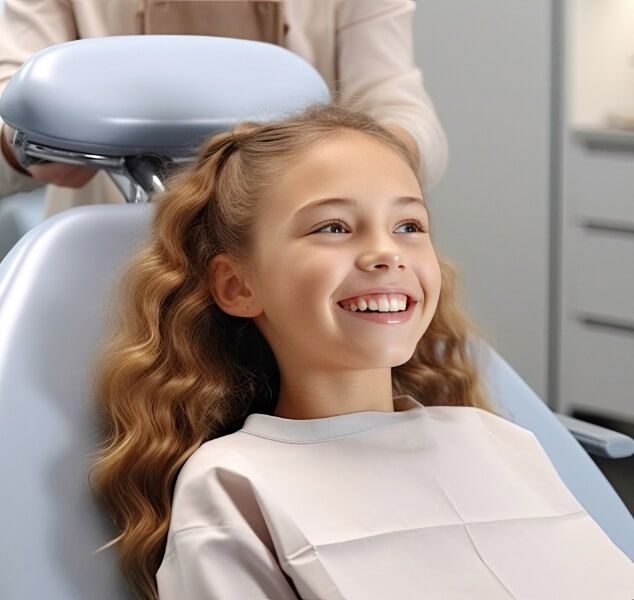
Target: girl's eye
331	225
417	224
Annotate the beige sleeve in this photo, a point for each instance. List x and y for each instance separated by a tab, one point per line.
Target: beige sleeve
27	26
376	70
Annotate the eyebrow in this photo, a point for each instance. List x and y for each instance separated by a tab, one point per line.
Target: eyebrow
400	201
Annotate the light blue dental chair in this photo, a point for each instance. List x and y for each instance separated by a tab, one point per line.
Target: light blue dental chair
56	282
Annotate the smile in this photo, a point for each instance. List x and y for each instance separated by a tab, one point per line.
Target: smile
387	316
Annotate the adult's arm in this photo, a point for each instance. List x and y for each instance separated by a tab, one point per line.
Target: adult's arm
377	72
27	26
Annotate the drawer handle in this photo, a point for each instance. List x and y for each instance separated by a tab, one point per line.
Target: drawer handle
606	322
608	226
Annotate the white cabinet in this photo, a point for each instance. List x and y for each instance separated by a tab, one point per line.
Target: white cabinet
597	309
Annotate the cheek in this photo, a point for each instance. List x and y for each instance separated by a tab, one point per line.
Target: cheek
437	277
431	278
315	283
305	283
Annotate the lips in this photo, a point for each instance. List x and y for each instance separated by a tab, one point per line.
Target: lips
386	318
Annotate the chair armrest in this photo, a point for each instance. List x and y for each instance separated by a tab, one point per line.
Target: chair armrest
598	440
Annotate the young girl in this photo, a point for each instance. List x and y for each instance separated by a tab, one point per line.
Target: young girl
290	403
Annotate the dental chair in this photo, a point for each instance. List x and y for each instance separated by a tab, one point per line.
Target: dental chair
56	283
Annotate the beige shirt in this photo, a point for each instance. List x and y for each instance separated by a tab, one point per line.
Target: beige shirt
438	502
362	48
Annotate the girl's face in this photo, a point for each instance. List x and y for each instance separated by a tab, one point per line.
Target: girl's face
345	222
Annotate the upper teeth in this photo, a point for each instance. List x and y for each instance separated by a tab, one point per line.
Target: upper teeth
380	302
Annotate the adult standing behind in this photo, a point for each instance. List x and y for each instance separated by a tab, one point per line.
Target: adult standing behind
363	50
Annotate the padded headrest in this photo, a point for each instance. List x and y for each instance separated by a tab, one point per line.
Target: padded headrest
163	94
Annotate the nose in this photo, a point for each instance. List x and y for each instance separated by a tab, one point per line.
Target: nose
384	255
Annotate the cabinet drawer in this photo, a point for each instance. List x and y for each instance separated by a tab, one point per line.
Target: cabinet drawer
600	267
602	186
597	370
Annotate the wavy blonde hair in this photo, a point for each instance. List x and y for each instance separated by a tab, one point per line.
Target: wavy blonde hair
177	371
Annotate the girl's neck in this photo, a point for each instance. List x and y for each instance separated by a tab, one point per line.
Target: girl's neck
314	396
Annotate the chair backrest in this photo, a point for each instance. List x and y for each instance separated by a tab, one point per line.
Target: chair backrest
52	289
54	286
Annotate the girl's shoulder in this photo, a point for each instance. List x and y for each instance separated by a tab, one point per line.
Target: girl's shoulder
215	479
470	413
471	422
227	451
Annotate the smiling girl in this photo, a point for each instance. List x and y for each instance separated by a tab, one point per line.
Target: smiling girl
290	402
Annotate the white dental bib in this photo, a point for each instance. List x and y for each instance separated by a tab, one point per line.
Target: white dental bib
424	502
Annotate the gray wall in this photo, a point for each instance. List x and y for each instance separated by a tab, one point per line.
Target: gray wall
486	65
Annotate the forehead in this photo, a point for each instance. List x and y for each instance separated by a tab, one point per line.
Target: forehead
349	164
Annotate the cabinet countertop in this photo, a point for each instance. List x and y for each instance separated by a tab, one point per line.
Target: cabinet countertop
605	137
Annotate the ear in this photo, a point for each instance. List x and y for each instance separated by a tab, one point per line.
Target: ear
230	289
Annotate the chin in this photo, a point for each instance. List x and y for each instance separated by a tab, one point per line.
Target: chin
390	357
402	360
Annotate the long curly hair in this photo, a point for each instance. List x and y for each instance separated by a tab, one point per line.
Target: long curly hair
176	371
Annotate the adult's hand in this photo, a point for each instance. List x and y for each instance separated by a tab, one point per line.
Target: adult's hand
73	176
